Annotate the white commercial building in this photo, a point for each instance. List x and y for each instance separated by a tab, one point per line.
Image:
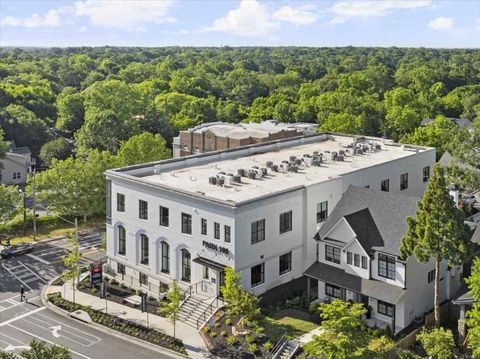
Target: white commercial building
254	208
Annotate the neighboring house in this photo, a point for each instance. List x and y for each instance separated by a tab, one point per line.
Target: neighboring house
14	167
215	136
358	259
254	208
461	122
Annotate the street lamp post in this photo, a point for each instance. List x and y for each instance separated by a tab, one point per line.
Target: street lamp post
24	195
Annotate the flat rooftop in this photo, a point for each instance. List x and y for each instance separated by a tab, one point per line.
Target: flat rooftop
191	174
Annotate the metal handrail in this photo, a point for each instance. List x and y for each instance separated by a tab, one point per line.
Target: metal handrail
210	309
278	346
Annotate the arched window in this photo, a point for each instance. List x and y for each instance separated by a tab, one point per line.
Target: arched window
165	257
186	267
122	237
143	249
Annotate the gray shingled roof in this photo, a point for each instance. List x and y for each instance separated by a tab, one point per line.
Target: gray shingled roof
373	288
366	230
462	122
387	210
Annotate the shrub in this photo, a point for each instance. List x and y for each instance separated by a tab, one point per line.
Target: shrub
213	334
252	347
223	333
268	346
94	290
438	343
114	282
314	308
139	292
232	340
217	325
249	338
206	329
228	321
259	330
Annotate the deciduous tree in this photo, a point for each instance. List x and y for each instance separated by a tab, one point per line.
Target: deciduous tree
171	308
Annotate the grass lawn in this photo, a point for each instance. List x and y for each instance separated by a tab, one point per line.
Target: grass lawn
61	228
294	322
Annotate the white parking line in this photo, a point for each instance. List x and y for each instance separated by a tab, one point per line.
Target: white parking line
35	274
25	284
46	340
21	316
2	309
41	260
94	337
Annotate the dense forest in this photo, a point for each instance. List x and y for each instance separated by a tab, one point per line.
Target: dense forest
98	97
84	110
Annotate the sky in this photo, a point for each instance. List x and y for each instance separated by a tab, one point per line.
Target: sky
427	23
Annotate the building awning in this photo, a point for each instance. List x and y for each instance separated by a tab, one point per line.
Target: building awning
210	263
370	287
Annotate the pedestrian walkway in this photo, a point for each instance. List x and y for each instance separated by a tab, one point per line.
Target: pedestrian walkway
191	338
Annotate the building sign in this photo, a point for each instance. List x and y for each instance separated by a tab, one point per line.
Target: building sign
95	273
215	247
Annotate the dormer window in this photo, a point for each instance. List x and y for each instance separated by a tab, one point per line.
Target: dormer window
332	254
386	266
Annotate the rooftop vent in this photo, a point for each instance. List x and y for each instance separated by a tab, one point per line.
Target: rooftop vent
237	179
269	164
212	180
241	172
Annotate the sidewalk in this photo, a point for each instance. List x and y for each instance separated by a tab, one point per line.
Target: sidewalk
192	341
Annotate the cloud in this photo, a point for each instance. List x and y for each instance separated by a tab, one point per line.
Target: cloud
51	19
347	10
298	16
254	19
441	23
125	14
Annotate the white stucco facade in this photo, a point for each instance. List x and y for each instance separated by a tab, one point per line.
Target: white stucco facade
181	185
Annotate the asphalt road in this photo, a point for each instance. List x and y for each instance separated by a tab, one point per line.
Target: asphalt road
22	322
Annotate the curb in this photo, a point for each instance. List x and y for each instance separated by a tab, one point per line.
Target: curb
104	329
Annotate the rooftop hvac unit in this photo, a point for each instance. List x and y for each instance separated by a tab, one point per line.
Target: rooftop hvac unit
293	158
212	180
241	172
220	181
227	178
334	155
274	168
264	171
293	168
365	148
378	147
340	158
252	175
350	151
269	164
284	166
307	159
341	152
315	152
257	172
358	151
237	179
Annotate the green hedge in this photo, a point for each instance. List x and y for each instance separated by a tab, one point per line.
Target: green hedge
121	325
15	225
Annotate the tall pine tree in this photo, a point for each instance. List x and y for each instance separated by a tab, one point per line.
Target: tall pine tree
437	232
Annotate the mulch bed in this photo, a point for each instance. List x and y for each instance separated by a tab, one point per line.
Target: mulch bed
117	293
218	345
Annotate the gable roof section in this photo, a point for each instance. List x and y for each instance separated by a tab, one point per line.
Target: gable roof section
366	230
378	218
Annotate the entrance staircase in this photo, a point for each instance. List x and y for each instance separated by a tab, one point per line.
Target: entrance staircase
195	311
288	349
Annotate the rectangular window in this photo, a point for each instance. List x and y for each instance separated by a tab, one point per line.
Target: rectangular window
186	223
143	279
385	185
285	263
333	291
349	257
120	268
403	181
257	275
204	226
285	222
431	276
356	260
322	211
364	262
426	173
205	272
386	266
164	216
108	199
227	234
216	230
142	209
144	249
385	308
258	231
332	254
165	257
120	202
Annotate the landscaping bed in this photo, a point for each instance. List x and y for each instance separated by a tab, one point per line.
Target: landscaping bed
118	293
121	325
224	338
